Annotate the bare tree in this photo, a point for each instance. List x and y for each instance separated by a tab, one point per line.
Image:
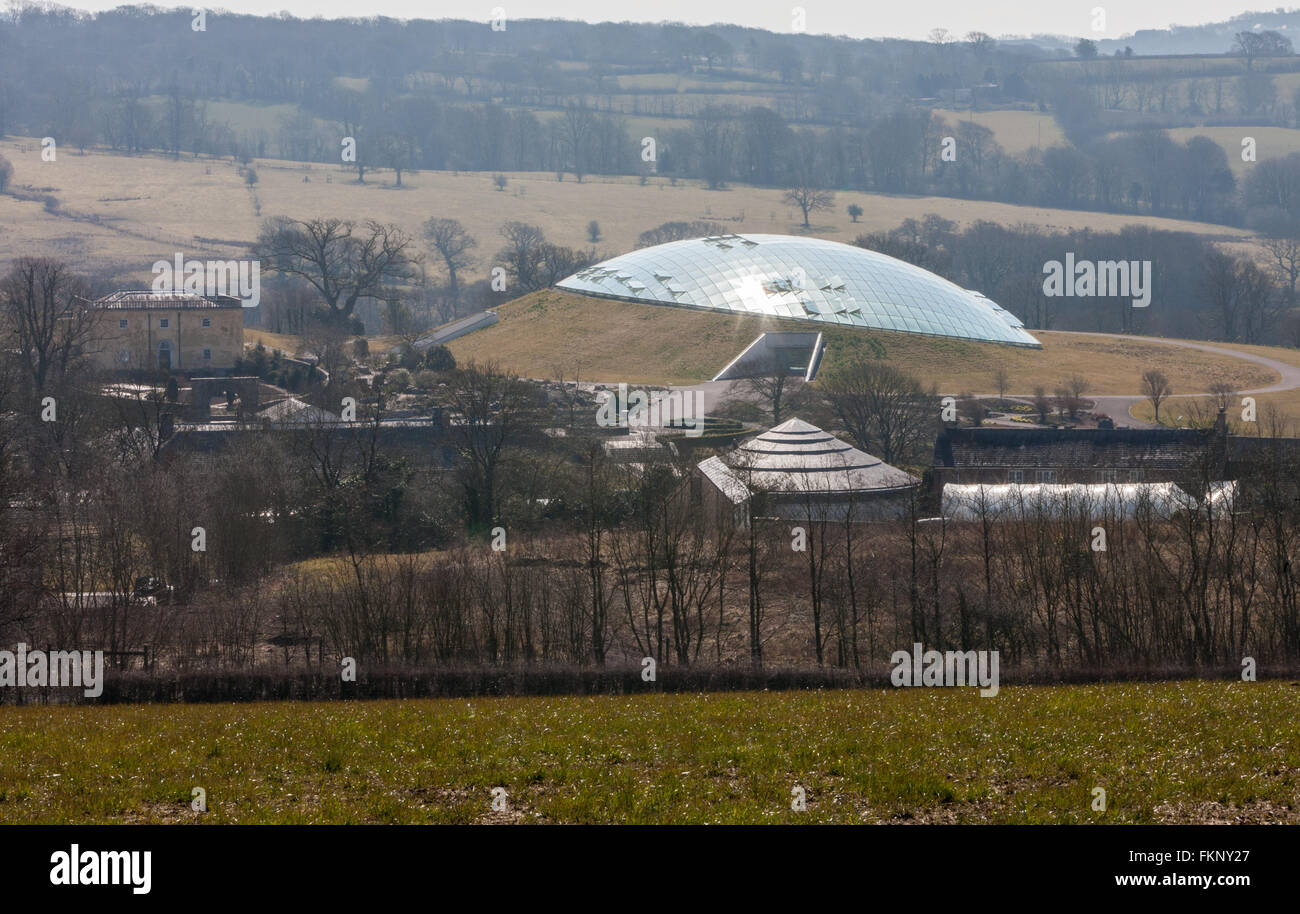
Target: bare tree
575	130
396	150
24	576
883	409
522	253
809	199
771	383
1042	404
453	243
492	411
757	541
1071	392
1240	296
676	231
344	261
48	318
328	340
1223	392
1156	388
972	408
599	509
1002	380
1260	305
1250	45
1284	260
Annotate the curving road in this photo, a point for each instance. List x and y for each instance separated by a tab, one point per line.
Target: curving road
1116	406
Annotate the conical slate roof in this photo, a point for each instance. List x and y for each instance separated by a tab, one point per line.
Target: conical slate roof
799	457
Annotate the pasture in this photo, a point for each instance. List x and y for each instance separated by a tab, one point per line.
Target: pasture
118	214
1187	752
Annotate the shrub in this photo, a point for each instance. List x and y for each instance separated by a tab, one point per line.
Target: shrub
439	358
409	357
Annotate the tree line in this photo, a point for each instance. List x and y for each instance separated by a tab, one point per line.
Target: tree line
530	547
466	109
325	269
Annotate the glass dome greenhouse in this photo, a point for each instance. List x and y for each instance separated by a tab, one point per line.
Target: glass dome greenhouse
805	279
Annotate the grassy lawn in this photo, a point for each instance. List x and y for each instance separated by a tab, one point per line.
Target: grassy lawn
285	342
1286	404
1167	752
615	341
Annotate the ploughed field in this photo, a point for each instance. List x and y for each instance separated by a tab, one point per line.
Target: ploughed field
1163	752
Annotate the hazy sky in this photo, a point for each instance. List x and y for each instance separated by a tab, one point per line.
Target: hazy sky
858	18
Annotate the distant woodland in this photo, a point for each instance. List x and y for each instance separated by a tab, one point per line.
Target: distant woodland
722	104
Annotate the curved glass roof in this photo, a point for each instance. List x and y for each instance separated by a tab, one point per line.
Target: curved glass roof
801	279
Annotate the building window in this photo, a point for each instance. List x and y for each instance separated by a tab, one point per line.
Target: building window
164	323
1134	475
124	356
121	324
207	355
207	322
1109	476
1047	475
1015	475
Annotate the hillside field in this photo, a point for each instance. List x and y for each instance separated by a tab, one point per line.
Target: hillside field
1270	142
1015	131
614	341
1162	752
118	214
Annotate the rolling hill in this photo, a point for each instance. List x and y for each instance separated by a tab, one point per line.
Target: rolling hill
613	341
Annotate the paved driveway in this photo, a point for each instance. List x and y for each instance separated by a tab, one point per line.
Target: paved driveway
1115	406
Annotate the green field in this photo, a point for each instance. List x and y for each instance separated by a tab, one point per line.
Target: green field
1166	752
